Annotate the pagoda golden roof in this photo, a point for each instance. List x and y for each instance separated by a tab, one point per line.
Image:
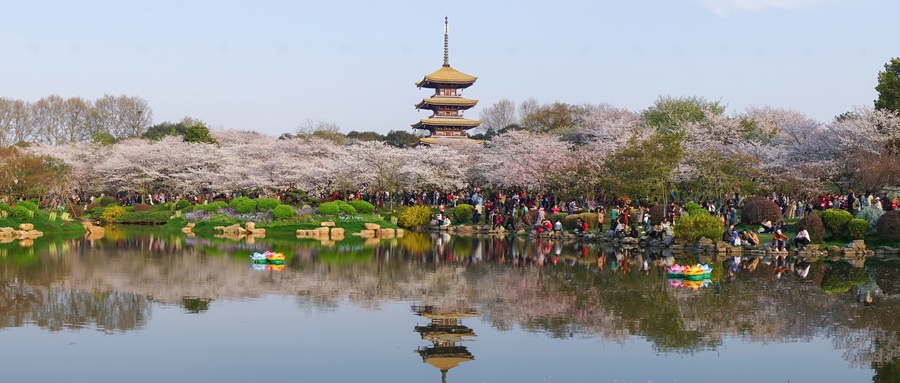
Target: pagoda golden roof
446	121
448	139
459	101
447	75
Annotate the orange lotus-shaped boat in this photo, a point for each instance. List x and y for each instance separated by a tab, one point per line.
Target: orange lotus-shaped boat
694	271
276	257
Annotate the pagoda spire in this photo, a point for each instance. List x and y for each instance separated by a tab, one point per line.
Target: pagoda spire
446	42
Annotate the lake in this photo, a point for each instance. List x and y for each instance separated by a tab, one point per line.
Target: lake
148	305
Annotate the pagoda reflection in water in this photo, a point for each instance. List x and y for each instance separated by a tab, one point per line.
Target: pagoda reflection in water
444	332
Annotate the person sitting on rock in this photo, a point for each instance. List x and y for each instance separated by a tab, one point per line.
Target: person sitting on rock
446	222
767	226
557	226
778	240
802	238
582	227
634	232
752	238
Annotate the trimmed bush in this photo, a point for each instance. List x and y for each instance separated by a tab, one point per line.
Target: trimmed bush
463	212
283	212
657	214
215	206
267	203
760	210
244	207
90	208
558	217
75	210
529	218
755	198
236	201
129	208
857	228
870	215
141	207
835	221
329	208
889	226
346	208
363	207
182	203
108	200
412	216
96	212
692	227
20	213
4	206
28	205
571	221
112	213
815	228
146	217
691	207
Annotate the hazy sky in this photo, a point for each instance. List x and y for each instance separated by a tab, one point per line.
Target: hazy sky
270	65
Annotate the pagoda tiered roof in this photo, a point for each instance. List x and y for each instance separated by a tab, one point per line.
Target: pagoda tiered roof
446	121
463	103
447	76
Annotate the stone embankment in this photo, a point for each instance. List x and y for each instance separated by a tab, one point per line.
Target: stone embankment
371	233
25	234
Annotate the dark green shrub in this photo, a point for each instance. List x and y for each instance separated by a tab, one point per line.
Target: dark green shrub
182	203
362	207
129	208
314	202
163	207
158	217
692	227
412	216
757	211
657	214
108	200
96	212
889	226
329	208
283	212
91	207
245	207
214	206
20	212
141	207
267	204
346	208
571	221
857	228
4	206
28	205
815	228
463	212
835	221
691	207
188	209
236	201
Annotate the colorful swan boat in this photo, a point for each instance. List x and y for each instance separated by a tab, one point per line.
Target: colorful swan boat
259	257
275	258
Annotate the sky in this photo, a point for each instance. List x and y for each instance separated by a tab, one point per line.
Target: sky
270	66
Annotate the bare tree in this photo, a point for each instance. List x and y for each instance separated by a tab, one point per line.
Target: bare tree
499	115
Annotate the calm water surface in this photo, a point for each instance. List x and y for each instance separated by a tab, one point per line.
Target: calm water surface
147	305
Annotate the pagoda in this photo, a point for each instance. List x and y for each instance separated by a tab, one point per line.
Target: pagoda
446	122
444	332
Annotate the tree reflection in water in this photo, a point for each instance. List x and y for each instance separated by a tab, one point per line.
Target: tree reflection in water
558	289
